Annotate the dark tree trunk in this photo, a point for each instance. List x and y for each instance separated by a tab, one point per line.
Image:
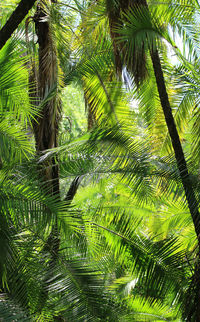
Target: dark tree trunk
176	143
192	300
178	151
15	19
46	129
192	297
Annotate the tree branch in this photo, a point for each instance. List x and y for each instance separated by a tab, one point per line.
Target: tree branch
15	19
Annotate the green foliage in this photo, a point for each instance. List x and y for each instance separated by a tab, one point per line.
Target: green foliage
125	247
73	119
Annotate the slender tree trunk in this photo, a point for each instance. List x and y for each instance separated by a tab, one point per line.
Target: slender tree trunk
178	151
192	297
15	19
192	300
176	143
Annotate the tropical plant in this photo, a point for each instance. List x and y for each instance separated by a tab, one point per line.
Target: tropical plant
105	226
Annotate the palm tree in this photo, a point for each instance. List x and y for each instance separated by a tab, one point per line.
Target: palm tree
118	242
31	285
132	15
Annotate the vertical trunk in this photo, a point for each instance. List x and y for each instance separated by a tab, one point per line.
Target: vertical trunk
46	127
192	300
46	131
178	151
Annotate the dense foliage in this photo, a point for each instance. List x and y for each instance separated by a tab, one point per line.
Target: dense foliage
99	162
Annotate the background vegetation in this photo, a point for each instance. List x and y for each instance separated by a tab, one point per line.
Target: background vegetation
99	160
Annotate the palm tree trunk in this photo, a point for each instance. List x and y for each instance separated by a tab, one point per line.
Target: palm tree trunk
46	130
192	298
46	127
176	143
178	151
